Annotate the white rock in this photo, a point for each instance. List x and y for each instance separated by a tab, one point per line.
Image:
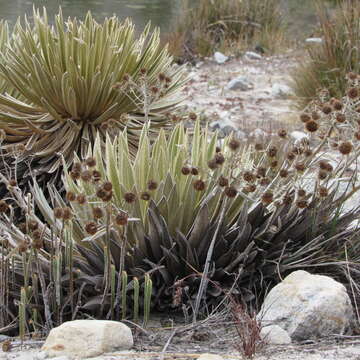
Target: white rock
315	40
220	58
210	357
253	55
281	90
240	83
308	306
275	335
87	338
258	133
299	136
3	338
41	355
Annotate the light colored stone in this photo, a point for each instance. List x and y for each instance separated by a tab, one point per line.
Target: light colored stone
87	338
299	136
308	306
220	58
41	355
240	83
275	335
258	133
281	90
210	357
314	40
253	55
3	338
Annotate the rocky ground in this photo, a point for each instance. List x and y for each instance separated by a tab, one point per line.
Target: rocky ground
246	93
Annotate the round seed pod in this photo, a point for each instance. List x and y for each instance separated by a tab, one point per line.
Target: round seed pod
75	175
345	147
33	225
107	186
315	116
301	193
192	116
338	105
272	151
185	170
302	204
340	118
91	228
86	175
194	171
290	156
323	191
234	144
326	109
58	213
300	167
4	207
264	182
267	198
259	147
283	173
322	175
129	197
261	172
121	219
81	199
67	213
230	191
312	126
249	176
90	162
152	185
282	133
98	212
96	176
70	196
199	185
353	93
212	164
305	117
219	158
145	196
223	181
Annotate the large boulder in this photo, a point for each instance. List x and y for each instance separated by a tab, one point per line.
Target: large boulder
87	338
308	306
274	335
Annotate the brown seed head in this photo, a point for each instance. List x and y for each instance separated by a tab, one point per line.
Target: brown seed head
185	170
6	346
326	109
259	147
219	158
274	164
353	93
223	181
249	177
77	167
90	162
305	117
91	228
323	191
312	126
302	204
338	105
58	213
250	188
67	213
282	133
267	198
346	147
322	175
161	77
272	151
145	196
264	182
129	197
290	156
154	90
287	200
36	234
152	185
234	144
98	212
352	76
96	175
4	207
107	186
108	196
357	135
261	172
121	219
212	164
22	247
75	175
315	115
308	152
192	116
37	243
194	171
70	196
230	191
81	199
33	225
218	149
300	167
101	193
199	185
301	193
283	173
341	118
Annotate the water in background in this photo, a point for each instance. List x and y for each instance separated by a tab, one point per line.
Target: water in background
300	14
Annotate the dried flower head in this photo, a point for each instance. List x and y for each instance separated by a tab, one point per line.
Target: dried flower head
346	147
312	126
152	185
37	243
90	162
22	247
274	164
101	193
305	117
58	213
218	149
230	191
357	135
81	199
338	105
76	167
259	147
67	213
121	219
223	181
108	196
322	175
283	173
129	197
194	171
353	93
234	144
290	156
315	116
249	176
192	116
300	167
326	109
301	193
33	225
199	185
341	118
267	197
261	172
308	152
107	186
219	158
302	204
91	228
75	175
70	196
287	200
185	170
250	188
264	182
4	207
282	133
212	164
98	212
145	196
323	191
96	176
272	151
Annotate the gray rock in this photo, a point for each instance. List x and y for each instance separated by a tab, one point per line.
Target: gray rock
240	83
240	135
253	55
281	90
220	58
308	306
210	357
228	129
314	40
87	338
275	335
3	338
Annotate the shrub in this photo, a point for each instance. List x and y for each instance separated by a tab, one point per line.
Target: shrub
78	80
328	63
208	25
